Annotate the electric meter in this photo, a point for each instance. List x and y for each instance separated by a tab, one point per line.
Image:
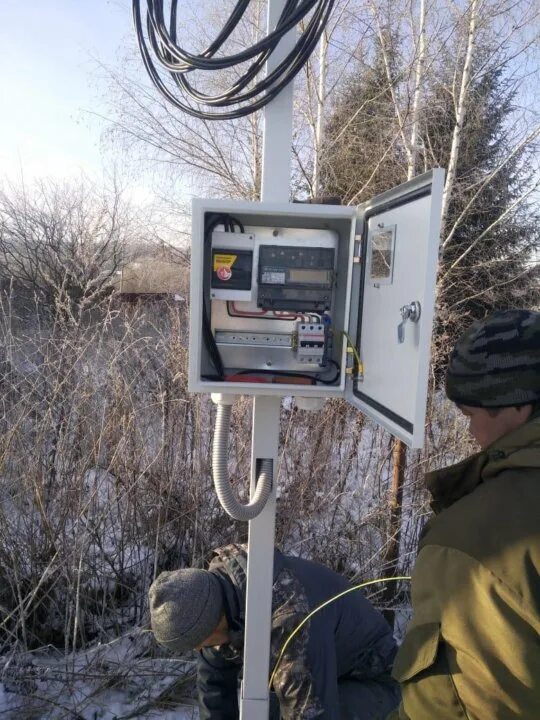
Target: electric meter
319	300
297	278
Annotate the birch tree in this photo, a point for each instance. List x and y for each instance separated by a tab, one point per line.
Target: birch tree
418	80
462	102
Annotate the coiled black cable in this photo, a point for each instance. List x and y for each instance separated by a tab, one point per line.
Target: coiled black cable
247	94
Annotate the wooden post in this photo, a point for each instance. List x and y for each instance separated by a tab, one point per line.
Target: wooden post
395	500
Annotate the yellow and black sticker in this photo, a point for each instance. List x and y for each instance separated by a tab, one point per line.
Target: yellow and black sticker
221	260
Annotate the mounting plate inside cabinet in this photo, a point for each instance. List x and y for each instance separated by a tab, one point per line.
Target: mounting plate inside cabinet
295	278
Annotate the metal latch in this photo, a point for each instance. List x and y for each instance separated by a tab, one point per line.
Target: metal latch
411	312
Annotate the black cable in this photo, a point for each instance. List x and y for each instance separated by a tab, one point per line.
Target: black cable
161	42
288	65
210	343
336	376
292	13
278	373
285	373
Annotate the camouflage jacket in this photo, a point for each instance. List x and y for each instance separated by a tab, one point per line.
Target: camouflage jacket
472	649
349	638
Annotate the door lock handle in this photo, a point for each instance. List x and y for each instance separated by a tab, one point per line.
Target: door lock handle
411	312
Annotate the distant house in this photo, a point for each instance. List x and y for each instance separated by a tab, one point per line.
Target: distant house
153	275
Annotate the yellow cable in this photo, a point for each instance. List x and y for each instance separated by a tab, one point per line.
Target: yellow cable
320	607
353	349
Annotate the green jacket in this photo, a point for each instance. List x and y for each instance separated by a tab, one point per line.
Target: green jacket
472	649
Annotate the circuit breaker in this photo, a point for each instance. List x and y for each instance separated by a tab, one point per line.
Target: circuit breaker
315	300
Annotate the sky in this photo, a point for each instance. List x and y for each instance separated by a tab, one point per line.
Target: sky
49	83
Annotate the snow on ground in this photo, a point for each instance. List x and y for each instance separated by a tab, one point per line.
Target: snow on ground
108	705
111	681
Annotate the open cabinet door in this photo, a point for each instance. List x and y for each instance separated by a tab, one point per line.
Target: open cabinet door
392	303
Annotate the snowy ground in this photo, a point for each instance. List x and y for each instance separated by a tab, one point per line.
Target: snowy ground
114	681
109	705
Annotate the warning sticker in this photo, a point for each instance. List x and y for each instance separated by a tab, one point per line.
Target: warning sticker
221	260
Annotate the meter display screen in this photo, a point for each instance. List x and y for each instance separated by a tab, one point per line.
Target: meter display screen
312	277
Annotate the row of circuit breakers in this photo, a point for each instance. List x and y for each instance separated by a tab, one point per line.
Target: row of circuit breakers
272	298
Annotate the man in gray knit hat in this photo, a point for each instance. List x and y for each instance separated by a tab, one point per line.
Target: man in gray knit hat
336	668
472	649
187	608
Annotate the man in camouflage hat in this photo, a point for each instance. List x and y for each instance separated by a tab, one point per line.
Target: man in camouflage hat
472	649
337	667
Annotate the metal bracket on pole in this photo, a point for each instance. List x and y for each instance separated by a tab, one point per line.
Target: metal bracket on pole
276	180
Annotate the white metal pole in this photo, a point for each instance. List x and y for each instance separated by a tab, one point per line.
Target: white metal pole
278	126
265	444
276	180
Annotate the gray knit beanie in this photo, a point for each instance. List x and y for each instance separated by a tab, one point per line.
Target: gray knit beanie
185	608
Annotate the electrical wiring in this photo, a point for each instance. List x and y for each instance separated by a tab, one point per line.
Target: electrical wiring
210	343
232	311
352	347
248	93
278	373
285	373
334	379
320	607
284	315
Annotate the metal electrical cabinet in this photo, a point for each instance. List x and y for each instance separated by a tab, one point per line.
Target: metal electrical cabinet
279	290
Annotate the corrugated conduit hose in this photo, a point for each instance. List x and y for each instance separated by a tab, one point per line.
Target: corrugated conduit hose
224	491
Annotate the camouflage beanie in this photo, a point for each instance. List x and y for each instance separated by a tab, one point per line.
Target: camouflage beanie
496	362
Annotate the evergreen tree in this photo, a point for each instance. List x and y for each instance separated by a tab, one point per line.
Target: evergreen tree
491	237
487	262
360	154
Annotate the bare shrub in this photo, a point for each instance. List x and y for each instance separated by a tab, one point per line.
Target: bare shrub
62	243
105	481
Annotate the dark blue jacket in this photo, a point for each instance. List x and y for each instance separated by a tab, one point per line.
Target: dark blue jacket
347	640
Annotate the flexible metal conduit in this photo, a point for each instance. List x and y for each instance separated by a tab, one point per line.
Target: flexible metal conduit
221	474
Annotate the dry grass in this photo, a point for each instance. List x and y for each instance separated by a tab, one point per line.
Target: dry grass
105	481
